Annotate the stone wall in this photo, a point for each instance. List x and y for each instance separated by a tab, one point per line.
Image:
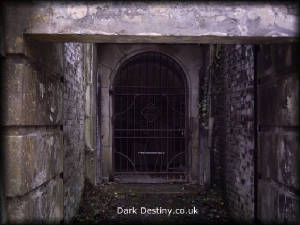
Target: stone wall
43	135
73	130
31	118
278	133
232	102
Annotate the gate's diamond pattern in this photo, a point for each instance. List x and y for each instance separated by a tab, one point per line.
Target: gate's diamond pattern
150	112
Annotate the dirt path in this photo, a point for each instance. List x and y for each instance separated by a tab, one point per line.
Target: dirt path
151	204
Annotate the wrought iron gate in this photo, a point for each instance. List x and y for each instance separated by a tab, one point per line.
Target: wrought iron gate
150	117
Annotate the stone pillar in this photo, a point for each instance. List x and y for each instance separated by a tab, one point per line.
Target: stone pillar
89	55
74	127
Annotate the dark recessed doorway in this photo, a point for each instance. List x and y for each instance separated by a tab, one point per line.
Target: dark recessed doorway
149	118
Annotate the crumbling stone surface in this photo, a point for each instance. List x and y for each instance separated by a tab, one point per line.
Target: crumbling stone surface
32	89
104	21
33	151
74	95
32	159
233	132
38	153
42	204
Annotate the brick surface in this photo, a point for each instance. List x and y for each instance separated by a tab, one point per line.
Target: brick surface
233	131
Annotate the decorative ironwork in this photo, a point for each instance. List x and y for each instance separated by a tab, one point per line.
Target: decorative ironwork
150	116
150	112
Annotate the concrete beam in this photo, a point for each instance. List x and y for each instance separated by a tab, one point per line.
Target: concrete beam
149	22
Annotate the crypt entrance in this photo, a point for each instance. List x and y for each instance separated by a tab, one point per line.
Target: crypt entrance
149	118
148	113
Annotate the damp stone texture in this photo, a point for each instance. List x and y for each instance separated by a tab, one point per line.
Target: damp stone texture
73	127
91	133
32	136
162	22
44	147
232	103
278	133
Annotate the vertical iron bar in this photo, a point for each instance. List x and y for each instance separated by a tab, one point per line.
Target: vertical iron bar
167	129
121	140
134	140
127	120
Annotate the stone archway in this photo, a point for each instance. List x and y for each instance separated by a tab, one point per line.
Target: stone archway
150	119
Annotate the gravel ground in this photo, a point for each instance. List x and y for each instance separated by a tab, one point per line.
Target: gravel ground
101	204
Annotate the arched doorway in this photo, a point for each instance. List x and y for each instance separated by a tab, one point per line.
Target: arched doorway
149	119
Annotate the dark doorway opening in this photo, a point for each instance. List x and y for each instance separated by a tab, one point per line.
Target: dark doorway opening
150	111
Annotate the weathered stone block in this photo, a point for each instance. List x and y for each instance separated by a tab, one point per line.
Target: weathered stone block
90	101
31	160
276	205
90	132
30	90
90	166
74	112
278	103
105	76
278	60
106	156
105	102
288	159
265	61
267	150
267	202
286	58
282	152
111	55
288	207
73	187
48	55
278	141
106	133
44	204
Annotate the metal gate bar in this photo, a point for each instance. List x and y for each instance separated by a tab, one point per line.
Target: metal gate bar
150	116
